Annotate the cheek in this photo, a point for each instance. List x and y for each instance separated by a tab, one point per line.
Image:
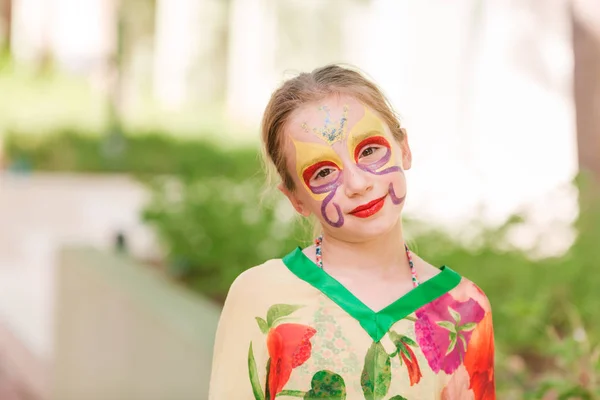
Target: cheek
398	180
397	188
309	196
315	199
320	192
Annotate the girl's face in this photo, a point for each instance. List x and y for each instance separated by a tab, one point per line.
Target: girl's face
347	167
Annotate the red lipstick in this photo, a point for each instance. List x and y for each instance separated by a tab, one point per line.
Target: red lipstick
366	210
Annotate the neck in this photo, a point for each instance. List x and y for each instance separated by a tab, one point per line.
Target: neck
382	256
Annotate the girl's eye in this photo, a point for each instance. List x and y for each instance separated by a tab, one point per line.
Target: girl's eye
323	173
324	176
320	173
368	151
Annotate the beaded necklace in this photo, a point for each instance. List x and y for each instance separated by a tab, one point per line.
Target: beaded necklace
319	259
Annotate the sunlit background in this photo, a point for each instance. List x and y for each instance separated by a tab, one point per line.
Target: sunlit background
132	194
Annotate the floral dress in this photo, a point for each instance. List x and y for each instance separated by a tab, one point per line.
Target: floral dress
289	330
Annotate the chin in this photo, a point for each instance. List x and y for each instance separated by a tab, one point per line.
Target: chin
356	230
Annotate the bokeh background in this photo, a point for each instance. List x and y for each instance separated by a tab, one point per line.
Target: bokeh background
132	193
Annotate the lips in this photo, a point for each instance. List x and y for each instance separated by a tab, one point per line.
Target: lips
366	210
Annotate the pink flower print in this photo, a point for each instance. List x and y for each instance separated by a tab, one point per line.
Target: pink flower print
443	330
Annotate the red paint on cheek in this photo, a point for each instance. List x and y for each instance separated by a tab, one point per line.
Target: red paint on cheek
310	171
373	140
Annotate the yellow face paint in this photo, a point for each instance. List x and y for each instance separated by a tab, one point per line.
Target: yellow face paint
369	126
309	154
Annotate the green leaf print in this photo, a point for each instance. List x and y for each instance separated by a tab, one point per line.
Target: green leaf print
256	388
409	341
402	348
395	337
398	397
467	327
398	339
453	338
447	325
326	385
291	393
376	375
277	311
410	318
401	342
262	324
267	390
455	314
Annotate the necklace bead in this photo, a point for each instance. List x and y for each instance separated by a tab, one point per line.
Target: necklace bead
319	259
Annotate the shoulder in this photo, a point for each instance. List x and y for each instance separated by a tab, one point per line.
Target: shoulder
465	290
258	274
261	278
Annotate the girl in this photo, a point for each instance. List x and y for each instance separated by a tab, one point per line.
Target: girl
357	315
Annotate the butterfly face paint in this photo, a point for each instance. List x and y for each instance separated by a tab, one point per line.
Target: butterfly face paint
321	169
372	151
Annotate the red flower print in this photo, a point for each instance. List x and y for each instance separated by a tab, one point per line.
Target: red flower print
443	330
407	356
479	360
414	371
289	347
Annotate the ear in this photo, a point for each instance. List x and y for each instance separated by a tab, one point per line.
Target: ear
296	203
406	153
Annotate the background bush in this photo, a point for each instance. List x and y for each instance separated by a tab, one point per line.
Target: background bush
142	153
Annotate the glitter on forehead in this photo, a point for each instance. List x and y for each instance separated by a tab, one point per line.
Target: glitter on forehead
332	131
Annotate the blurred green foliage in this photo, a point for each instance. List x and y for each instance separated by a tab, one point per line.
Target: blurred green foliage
142	154
214	222
216	228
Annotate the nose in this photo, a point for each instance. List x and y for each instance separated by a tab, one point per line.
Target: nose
356	181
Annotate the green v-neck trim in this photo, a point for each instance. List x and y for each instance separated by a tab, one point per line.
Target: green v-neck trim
376	324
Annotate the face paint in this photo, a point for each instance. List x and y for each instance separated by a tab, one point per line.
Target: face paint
370	130
321	157
330	132
320	167
395	199
311	158
369	134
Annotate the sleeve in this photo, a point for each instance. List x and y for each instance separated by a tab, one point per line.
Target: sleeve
236	331
480	355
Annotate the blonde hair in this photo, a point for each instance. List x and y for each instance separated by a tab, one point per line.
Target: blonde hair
310	87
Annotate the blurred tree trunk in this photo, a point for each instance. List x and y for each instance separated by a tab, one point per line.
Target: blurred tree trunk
586	85
5	23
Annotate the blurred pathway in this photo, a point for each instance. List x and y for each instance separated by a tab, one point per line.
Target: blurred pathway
39	213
